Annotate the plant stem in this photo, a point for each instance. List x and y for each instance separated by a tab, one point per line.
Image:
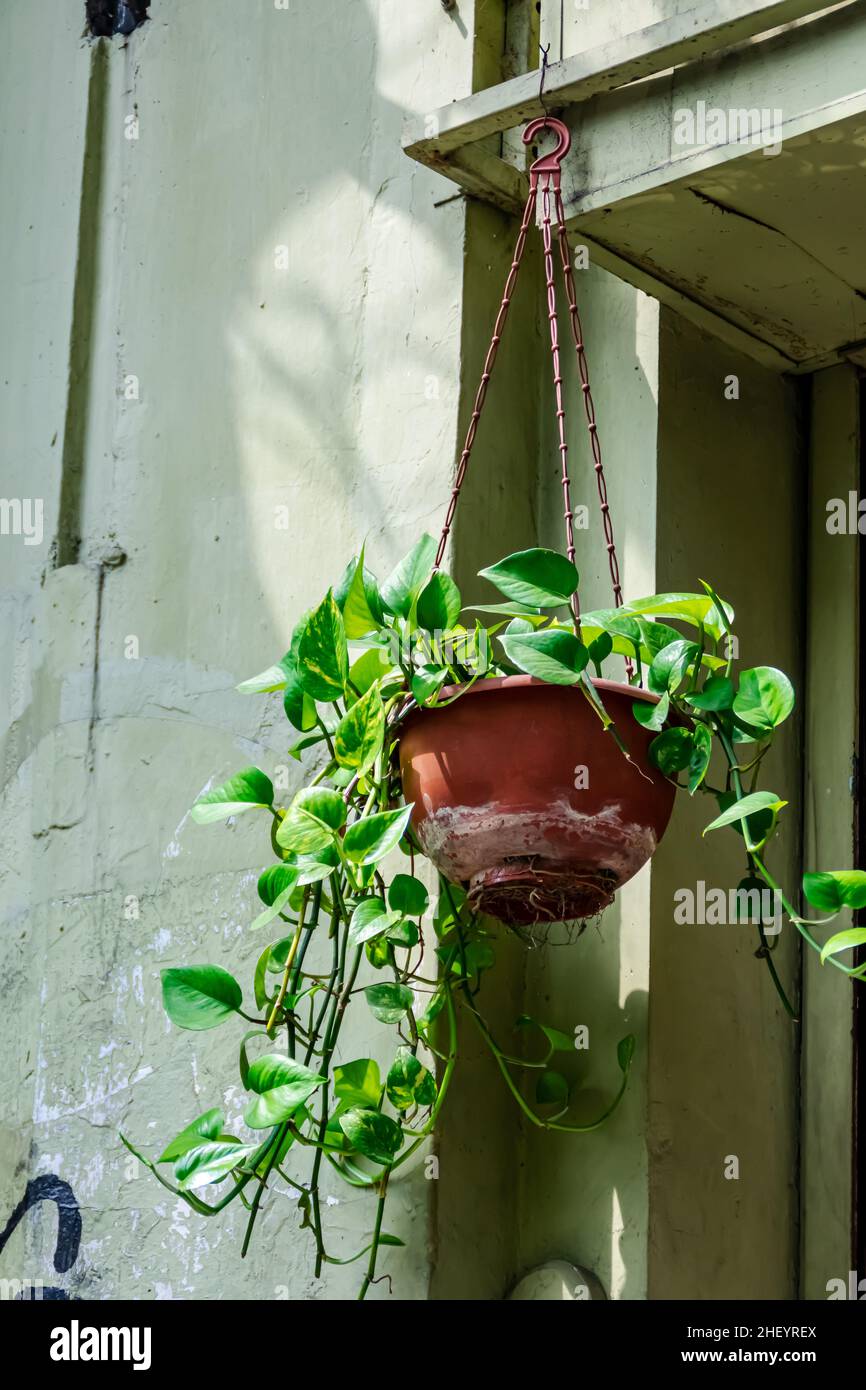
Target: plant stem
254	1210
377	1232
754	852
341	1000
774	976
735	773
424	1133
530	1114
795	917
324	728
278	1002
499	1056
329	992
299	961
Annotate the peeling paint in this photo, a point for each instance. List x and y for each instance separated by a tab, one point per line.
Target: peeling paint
312	399
467	840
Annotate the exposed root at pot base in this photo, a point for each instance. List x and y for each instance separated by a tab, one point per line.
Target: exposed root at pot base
535	893
538	934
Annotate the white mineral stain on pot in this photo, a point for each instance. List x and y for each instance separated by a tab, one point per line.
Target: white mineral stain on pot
465	840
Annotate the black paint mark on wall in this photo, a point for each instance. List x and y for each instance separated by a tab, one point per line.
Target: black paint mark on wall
107	17
51	1189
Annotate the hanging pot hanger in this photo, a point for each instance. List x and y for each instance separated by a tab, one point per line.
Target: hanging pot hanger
545	185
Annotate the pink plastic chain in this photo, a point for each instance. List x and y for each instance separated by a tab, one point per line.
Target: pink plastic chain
545	176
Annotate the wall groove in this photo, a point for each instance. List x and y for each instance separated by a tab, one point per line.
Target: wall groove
67	541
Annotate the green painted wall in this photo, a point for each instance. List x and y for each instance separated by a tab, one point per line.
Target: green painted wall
248	334
584	1198
724	1058
225	421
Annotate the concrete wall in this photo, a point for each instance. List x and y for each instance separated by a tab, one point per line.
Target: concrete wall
723	1056
237	305
175	377
700	486
834	601
478	1134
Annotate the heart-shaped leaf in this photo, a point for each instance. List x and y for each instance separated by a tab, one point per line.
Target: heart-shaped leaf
672	750
358	598
281	1086
439	603
409	1082
360	733
558	1041
510	610
373	665
300	708
309	825
389	1002
553	655
276	907
537	578
551	1088
427	683
836	888
717	693
273	880
273	678
742	809
358	1083
404	934
760	823
600	649
319	651
652	714
401	588
625	1050
699	762
408	895
209	1163
207	1126
240	793
698	609
669	666
261	985
313	868
200	996
370	919
843	941
372	837
765	698
371	1134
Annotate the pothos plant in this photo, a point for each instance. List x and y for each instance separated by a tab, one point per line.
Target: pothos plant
351	924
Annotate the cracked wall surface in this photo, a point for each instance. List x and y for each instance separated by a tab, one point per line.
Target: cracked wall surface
235	303
247	338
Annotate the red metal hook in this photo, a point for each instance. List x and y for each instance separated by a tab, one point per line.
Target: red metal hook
548	163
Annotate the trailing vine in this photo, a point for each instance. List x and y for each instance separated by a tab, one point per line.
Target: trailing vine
352	924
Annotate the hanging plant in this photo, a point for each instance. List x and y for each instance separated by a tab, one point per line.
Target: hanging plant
372	682
501	750
360	666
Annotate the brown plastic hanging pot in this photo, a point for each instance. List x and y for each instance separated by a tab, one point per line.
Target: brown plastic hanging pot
522	797
518	791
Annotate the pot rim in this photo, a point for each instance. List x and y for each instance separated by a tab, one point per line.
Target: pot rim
522	681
